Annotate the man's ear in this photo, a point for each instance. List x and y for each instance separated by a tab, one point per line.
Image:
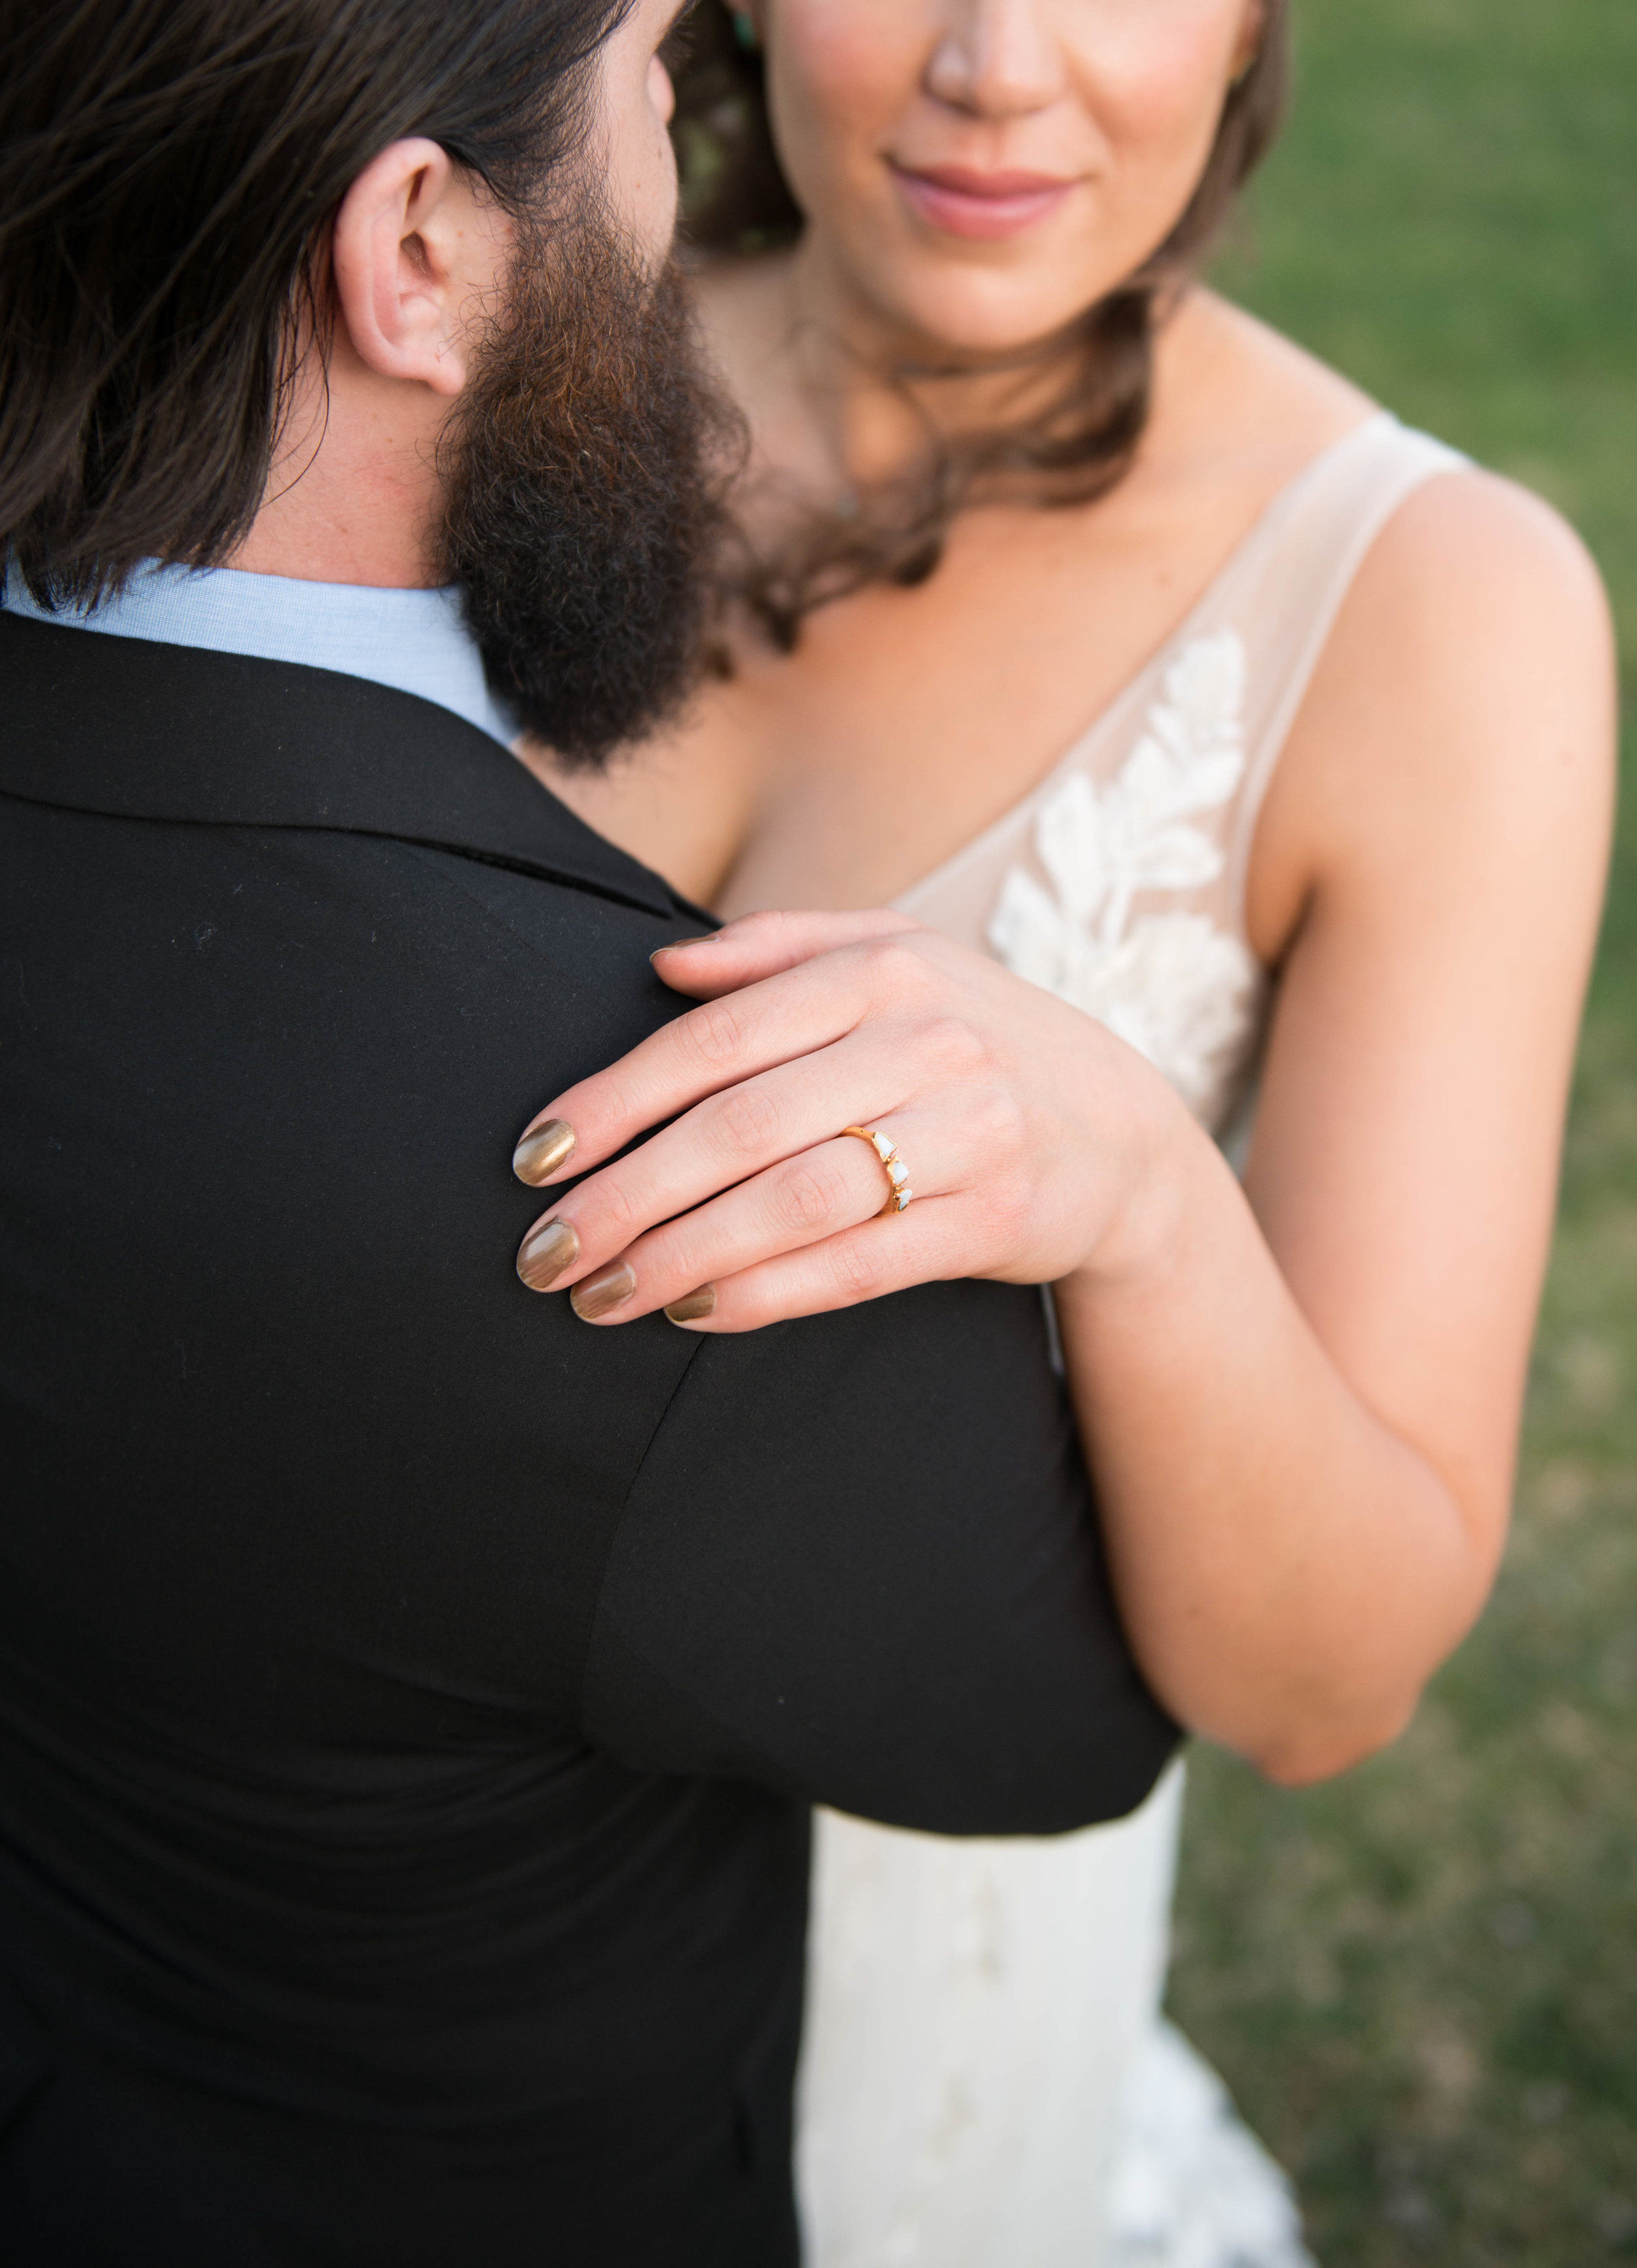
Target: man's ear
410	250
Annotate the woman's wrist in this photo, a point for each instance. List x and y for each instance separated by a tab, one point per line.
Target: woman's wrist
1173	1172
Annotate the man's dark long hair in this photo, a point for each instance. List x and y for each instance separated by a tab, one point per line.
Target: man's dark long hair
167	172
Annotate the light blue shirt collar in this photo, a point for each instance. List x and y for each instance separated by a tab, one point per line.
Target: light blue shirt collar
414	640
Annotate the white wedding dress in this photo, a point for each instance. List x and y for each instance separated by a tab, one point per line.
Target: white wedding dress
986	2081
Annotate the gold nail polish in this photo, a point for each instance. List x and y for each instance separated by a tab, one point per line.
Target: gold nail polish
693	1304
602	1294
541	1150
545	1252
677	943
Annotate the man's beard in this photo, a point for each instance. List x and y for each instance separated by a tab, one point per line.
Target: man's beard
583	478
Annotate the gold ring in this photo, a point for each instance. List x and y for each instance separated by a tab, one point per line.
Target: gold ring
898	1189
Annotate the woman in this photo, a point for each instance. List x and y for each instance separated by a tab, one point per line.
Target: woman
1338	820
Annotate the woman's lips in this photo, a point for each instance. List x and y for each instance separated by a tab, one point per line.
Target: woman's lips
968	203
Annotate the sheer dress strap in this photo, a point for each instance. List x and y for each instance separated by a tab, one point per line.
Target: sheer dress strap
1285	593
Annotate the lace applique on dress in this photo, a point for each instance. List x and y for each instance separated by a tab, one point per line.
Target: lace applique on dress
1172	985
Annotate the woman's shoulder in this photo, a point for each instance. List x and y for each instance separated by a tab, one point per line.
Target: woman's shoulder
1460	523
1465	682
1464	701
1491	557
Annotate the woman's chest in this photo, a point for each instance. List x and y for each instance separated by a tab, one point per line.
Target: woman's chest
907	721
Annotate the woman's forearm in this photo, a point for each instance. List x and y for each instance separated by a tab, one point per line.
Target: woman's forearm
1291	1568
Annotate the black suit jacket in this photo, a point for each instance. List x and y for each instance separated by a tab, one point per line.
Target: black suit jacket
410	1699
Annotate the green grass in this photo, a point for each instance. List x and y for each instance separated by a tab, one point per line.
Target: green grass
1421	1981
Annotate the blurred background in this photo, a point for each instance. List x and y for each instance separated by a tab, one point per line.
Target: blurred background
1421	1981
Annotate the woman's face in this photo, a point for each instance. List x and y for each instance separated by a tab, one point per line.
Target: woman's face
979	172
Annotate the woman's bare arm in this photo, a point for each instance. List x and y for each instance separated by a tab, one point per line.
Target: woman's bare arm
1303	1407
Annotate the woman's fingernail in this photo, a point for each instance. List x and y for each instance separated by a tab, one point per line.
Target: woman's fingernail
545	1252
677	943
602	1294
694	1306
541	1150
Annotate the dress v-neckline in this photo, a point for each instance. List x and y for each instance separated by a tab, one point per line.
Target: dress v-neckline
1278	506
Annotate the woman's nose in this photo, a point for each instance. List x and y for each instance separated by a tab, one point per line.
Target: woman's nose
996	58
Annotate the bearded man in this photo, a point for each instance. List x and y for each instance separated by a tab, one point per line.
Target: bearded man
411	1700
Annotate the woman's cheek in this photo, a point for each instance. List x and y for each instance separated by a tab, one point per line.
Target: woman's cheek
851	52
1162	82
1158	118
843	73
1155	84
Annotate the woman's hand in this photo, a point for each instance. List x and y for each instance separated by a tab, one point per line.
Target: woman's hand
1033	1137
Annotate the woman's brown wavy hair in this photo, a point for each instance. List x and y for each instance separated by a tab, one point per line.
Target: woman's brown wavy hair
1080	445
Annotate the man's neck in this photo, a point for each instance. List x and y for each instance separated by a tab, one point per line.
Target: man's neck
354	496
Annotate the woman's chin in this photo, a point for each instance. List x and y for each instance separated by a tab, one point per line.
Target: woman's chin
968	309
967	322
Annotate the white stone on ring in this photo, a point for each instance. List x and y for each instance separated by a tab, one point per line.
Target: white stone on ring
899	1192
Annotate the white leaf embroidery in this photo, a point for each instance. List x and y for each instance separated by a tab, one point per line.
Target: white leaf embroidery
1172	984
1073	849
1179	990
1028	932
